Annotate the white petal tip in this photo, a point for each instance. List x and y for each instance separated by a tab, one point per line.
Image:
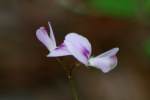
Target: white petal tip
116	49
49	23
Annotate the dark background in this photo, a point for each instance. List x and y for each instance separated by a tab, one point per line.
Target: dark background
27	74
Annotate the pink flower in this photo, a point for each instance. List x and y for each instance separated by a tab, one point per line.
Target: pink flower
79	47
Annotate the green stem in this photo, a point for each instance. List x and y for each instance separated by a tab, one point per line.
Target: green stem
73	88
70	78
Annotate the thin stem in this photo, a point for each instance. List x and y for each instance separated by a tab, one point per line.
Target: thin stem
69	72
72	83
62	65
73	87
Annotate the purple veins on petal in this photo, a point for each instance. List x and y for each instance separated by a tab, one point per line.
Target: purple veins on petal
61	46
76	44
85	52
59	51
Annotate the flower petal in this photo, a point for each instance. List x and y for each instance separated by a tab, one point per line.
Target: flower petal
110	52
52	36
59	51
43	37
106	61
79	47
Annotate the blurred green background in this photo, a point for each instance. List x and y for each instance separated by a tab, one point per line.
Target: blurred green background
26	73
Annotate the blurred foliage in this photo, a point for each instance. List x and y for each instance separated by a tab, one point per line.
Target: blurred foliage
147	6
147	46
126	8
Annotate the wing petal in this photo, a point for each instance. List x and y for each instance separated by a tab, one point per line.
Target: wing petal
43	37
106	61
